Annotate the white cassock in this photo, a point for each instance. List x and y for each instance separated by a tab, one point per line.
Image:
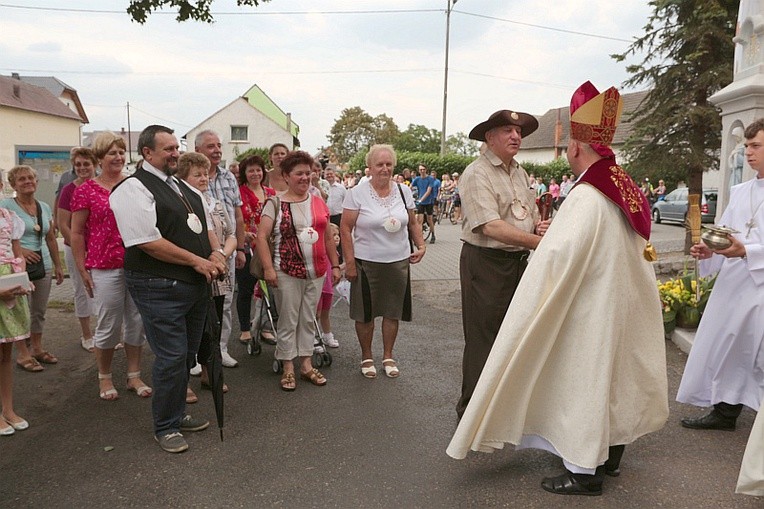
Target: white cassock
751	479
579	363
726	362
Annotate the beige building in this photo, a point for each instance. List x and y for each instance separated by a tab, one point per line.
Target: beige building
250	121
38	128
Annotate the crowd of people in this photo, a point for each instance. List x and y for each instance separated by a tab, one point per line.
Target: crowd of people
149	253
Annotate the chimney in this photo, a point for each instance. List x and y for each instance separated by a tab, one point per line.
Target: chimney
123	131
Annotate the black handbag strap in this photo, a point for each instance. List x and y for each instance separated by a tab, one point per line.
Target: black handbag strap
403	199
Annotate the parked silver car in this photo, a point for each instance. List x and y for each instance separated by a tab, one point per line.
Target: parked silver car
674	206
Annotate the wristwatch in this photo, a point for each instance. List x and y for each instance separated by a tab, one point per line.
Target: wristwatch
222	251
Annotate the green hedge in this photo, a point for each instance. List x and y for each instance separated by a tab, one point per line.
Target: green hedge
448	163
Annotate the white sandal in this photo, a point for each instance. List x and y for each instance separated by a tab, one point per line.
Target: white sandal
107	394
144	391
368	371
391	370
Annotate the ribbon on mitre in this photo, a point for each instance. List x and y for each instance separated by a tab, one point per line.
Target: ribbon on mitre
594	117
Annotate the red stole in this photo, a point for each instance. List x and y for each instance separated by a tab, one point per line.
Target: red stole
612	181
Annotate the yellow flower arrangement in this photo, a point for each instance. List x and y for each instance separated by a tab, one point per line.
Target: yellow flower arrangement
678	295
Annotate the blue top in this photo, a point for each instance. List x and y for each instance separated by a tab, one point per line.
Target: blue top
422	183
30	240
436	187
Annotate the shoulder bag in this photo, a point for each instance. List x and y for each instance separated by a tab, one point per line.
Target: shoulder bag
256	265
36	271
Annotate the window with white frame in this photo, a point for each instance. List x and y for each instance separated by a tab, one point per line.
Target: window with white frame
239	133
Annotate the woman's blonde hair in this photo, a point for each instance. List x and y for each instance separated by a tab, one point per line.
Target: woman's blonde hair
378	148
104	141
14	172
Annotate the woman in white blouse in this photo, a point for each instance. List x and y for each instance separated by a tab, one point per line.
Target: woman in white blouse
379	239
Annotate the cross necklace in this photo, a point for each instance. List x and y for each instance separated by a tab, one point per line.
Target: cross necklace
751	223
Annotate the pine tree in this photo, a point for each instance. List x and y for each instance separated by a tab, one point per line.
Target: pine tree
689	56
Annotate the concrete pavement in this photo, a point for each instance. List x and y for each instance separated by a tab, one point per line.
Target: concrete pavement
353	443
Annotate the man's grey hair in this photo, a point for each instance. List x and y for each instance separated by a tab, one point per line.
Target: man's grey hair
199	137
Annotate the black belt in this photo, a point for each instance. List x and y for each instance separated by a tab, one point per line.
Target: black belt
501	253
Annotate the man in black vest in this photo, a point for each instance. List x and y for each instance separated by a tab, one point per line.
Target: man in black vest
171	256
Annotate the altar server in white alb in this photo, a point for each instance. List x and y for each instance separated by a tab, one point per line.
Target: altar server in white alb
578	367
726	364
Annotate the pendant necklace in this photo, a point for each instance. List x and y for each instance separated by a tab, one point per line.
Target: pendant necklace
752	222
193	222
518	209
33	215
307	235
390	224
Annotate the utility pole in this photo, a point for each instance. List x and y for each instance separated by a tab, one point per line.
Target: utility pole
129	136
449	8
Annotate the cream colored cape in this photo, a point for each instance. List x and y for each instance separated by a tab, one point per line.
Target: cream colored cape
751	479
580	357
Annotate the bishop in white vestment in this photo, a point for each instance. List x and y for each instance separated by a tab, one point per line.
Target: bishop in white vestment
578	367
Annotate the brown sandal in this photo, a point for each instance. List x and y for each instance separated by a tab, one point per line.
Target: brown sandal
288	382
191	398
30	365
314	376
46	358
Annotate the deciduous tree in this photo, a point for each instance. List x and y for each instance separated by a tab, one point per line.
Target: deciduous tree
197	10
419	138
356	130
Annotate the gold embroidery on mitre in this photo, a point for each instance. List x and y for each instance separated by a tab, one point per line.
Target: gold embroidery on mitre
630	194
601	114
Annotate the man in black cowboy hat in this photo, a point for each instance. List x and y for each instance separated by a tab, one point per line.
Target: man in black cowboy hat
500	226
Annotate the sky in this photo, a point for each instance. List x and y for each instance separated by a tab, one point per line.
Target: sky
315	58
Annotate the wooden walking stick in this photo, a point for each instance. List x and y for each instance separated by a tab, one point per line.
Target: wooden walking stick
693	225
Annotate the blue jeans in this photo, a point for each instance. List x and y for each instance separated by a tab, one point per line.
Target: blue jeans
173	314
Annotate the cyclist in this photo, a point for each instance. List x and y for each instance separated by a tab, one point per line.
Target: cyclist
426	196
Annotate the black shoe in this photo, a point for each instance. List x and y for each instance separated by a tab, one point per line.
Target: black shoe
432	239
613	472
567	484
711	420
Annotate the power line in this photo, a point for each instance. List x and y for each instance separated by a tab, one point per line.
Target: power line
220	13
132	107
542	27
292	73
339	12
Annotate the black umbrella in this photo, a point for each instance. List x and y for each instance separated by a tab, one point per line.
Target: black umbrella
209	354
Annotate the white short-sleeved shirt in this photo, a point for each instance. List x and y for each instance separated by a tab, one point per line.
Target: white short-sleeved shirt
134	209
371	241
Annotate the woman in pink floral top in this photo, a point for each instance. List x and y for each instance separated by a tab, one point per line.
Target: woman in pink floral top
253	196
99	254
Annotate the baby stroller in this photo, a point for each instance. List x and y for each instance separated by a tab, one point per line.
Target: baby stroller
264	319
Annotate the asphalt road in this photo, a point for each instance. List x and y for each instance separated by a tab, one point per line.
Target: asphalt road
354	443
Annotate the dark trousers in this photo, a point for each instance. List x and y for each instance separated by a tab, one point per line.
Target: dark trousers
173	314
246	284
489	278
728	411
335	219
615	453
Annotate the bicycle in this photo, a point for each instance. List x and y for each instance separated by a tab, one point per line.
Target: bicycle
446	208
